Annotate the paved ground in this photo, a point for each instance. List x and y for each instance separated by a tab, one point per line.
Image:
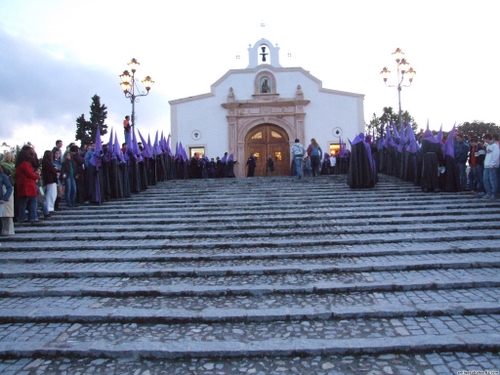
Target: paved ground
256	276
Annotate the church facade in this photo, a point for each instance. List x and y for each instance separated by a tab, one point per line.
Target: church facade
261	110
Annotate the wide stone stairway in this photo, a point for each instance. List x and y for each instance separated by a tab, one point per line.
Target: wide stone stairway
256	276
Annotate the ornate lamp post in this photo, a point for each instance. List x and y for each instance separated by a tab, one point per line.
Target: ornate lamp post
130	88
405	75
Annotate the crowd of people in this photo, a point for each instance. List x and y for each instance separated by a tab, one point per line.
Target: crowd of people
429	161
92	174
312	162
98	172
202	167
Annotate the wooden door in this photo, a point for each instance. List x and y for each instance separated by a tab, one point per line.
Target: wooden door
281	163
264	140
259	152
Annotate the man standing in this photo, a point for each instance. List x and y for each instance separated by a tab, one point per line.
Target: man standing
58	147
491	162
298	152
461	151
476	163
251	165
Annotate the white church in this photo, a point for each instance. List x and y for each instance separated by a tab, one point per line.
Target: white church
261	110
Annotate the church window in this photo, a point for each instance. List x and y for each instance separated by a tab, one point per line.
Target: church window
257	135
278	156
275	134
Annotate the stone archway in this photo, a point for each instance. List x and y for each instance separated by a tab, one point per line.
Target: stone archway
269	139
283	115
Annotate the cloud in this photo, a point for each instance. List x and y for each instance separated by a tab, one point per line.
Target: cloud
36	83
44	92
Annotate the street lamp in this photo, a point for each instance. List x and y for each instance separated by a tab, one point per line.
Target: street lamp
129	85
403	71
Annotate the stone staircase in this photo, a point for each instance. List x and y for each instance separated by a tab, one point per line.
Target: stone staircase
262	275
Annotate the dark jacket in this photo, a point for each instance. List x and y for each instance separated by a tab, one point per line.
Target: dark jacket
79	162
68	169
479	153
49	172
461	150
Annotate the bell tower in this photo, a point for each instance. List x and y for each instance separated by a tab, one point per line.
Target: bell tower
263	52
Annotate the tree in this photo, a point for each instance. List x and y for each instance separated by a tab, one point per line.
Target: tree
86	130
83	130
377	125
374	126
477	128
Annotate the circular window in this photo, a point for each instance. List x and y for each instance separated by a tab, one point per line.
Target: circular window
337	132
196	135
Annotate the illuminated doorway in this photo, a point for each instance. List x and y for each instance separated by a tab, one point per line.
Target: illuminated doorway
264	140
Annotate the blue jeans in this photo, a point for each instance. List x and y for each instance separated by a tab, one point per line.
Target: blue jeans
462	175
45	207
490	181
476	179
315	164
298	165
70	191
27	202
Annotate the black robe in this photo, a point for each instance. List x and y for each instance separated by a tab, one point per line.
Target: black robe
410	164
360	173
450	179
123	167
430	159
251	167
143	175
115	179
230	169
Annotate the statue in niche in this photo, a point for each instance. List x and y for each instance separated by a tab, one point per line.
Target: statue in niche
264	88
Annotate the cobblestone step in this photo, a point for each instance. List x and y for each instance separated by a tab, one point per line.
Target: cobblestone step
442	363
416	299
283	221
305	229
280	338
249	266
148	315
256	276
156	250
167	212
299	237
312	256
251	284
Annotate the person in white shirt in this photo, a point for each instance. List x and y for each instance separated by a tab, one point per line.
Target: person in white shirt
491	162
298	151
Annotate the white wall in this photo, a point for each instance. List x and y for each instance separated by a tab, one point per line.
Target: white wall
326	111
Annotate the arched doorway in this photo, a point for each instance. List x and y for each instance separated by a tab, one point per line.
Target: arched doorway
267	139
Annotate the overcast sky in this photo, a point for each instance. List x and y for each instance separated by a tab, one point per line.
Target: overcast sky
56	54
